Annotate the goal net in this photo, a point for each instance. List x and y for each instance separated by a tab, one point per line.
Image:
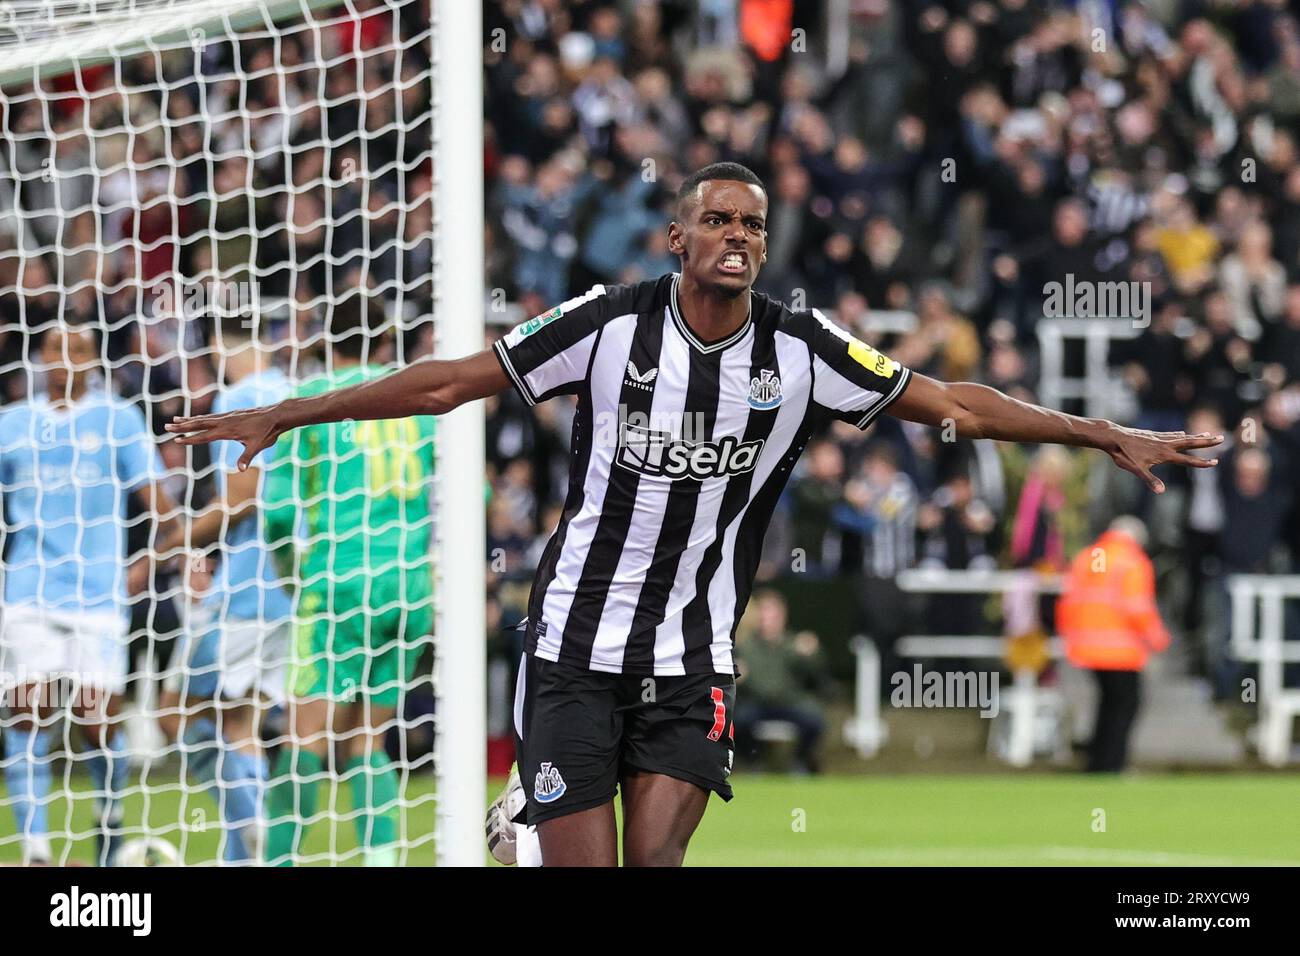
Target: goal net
204	205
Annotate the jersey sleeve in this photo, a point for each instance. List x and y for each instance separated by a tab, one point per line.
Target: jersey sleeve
852	381
136	457
550	354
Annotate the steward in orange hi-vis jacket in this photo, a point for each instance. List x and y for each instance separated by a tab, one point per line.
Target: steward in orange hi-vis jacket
1107	611
1108	616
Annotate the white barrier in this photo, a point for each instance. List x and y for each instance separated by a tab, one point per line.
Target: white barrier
1097	388
1263	642
866	731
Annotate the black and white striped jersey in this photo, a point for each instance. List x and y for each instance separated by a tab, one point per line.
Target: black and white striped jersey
681	449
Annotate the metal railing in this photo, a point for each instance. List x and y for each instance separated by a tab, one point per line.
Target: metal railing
1258	637
1261	639
866	731
1095	389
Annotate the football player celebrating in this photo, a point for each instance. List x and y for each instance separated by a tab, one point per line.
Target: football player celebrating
695	397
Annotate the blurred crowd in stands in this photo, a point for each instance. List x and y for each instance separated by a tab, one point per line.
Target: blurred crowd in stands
949	161
271	173
264	177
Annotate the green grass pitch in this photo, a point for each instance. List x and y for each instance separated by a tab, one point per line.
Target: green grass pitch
1034	819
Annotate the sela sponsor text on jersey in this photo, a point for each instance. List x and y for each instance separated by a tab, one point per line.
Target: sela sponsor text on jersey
659	455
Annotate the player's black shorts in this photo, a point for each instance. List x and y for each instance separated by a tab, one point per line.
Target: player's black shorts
578	732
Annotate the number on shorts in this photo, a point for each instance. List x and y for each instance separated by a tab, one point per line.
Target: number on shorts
719	713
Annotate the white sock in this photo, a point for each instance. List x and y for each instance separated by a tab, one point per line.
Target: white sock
528	847
37	849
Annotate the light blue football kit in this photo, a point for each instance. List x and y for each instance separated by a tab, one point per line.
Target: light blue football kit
65	473
238	643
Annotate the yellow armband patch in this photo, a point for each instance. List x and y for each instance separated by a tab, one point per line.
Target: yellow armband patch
871	360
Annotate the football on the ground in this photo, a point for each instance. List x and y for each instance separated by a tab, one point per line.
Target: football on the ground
147	851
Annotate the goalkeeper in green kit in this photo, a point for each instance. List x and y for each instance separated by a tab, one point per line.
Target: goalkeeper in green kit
348	517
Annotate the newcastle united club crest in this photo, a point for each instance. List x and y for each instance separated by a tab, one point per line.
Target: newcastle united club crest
765	391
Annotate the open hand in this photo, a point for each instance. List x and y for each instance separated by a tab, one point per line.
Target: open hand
1138	451
254	428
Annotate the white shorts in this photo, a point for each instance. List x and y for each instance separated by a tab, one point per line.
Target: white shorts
39	644
233	660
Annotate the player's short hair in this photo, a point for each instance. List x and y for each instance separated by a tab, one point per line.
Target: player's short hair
353	321
727	172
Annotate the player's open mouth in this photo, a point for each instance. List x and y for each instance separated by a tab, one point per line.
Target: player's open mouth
733	263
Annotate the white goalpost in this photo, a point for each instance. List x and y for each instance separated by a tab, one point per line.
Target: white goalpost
458	208
170	170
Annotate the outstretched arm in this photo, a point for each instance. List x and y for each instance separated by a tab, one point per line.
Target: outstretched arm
978	411
429	387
